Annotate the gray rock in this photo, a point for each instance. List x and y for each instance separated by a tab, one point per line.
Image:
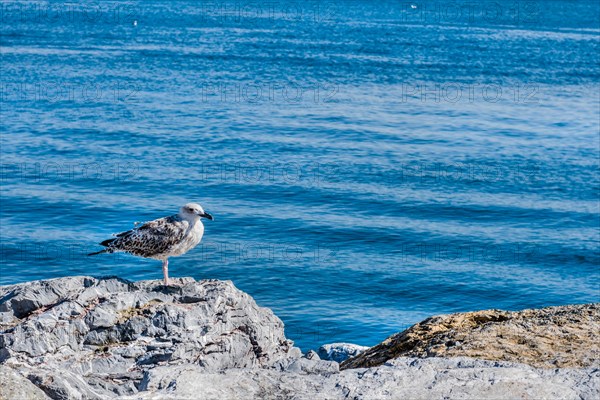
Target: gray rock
339	352
403	378
82	337
304	365
15	386
312	355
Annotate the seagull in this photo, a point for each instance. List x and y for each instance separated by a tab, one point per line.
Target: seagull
162	238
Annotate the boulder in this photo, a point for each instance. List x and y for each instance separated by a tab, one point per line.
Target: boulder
564	336
82	337
403	378
339	352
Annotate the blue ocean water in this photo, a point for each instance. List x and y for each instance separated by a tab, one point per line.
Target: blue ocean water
368	165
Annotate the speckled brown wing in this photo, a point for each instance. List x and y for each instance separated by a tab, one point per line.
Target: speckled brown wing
151	239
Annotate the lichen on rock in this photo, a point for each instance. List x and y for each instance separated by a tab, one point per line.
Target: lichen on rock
563	336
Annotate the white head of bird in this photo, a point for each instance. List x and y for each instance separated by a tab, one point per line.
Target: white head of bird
193	212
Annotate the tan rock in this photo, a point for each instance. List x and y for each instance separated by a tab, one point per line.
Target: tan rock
565	336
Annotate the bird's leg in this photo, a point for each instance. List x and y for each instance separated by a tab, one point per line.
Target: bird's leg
165	267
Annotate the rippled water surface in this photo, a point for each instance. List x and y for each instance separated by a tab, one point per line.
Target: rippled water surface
368	165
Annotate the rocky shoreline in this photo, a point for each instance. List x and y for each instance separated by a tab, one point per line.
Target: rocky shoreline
552	337
88	338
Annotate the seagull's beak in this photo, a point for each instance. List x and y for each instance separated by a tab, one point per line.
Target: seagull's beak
207	216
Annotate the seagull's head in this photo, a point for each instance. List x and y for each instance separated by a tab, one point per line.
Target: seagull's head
194	211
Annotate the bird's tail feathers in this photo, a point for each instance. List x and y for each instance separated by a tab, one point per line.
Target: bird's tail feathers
107	242
98	252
